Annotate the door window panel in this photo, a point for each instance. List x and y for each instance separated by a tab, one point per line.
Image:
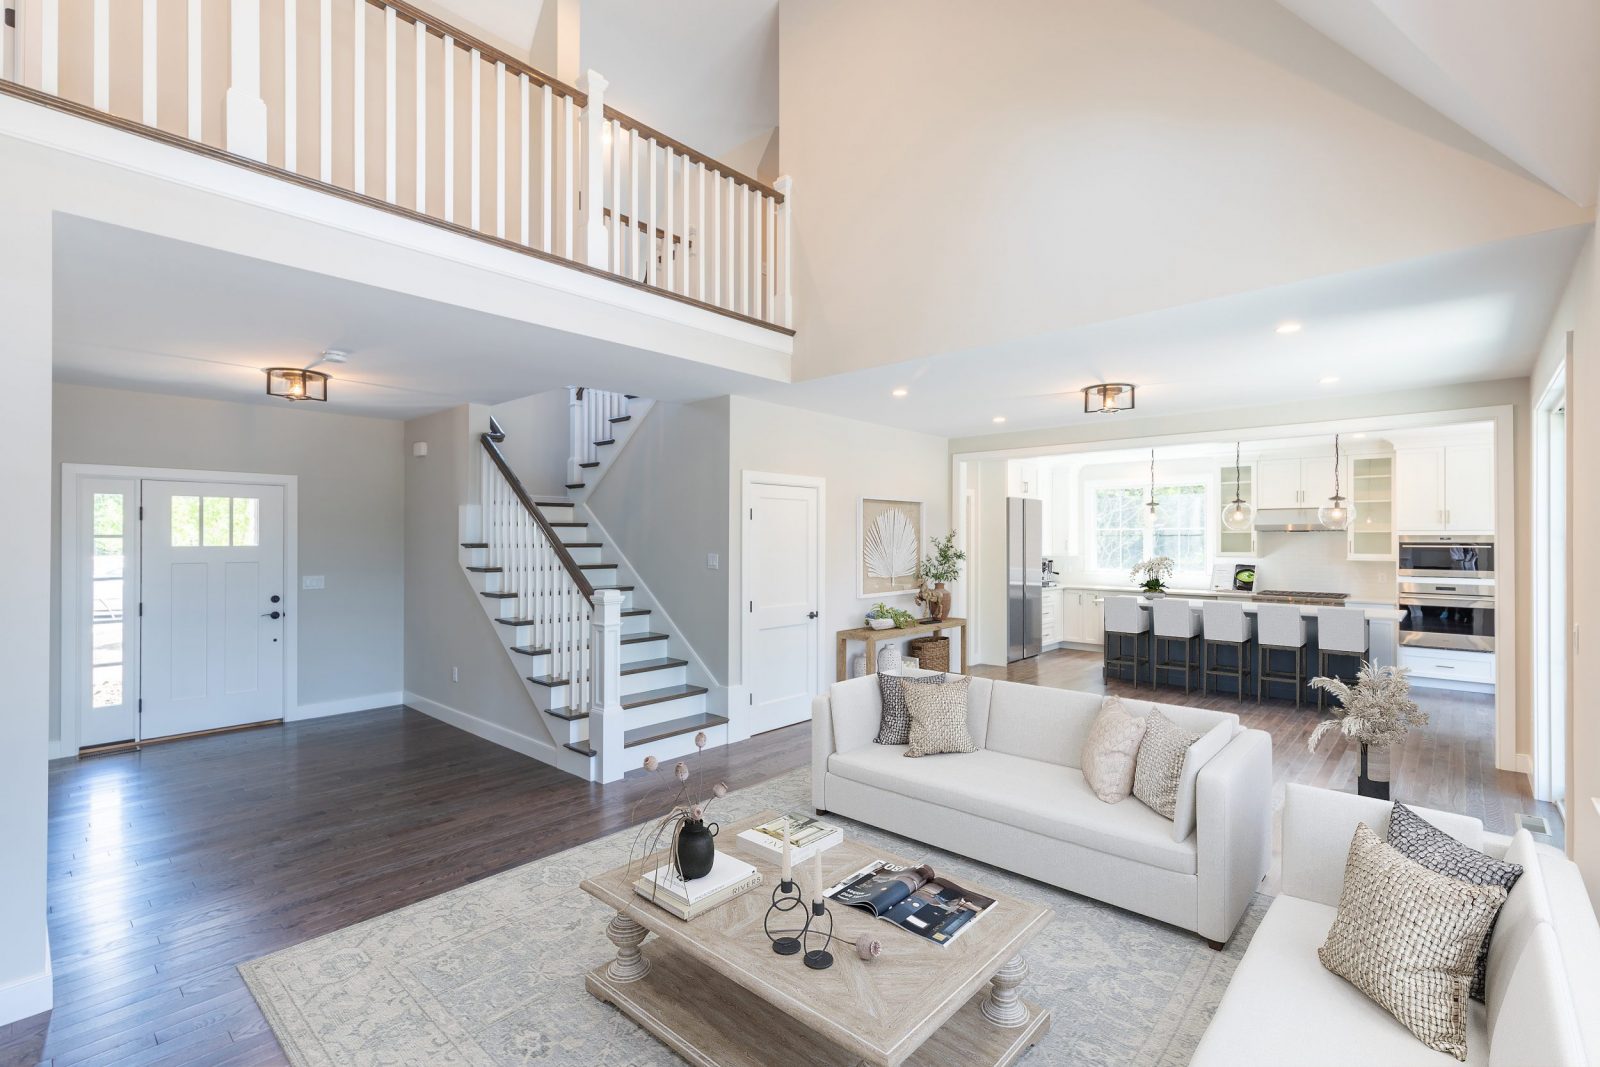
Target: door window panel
106	628
185	522
216	522
217	526
246	515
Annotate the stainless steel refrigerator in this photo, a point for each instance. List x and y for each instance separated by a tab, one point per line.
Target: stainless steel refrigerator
1024	605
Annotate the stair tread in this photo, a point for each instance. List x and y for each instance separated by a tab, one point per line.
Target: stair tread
484	570
570	485
566	714
583	544
618	588
474	544
607	441
514	622
499	596
621	418
589	466
595	566
552	504
660	731
634	613
529	650
642	638
580	747
549	680
559	525
662	695
645	666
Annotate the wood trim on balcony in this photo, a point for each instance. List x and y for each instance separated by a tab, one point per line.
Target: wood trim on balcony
139	129
682	149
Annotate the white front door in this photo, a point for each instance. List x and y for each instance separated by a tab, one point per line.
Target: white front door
782	593
213	602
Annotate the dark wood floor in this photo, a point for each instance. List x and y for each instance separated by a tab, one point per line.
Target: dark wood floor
170	866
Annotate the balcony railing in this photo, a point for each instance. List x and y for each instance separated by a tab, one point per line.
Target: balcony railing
377	99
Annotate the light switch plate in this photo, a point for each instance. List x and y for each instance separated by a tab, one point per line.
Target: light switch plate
713	561
312	581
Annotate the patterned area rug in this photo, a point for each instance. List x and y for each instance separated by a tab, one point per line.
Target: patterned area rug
492	973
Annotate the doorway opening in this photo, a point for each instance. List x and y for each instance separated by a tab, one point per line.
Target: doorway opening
1550	559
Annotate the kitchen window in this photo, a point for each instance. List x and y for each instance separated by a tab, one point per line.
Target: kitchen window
1119	538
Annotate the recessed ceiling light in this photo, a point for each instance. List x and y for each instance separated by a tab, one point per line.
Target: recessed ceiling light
1358	436
999	418
1289	327
898	392
1331	379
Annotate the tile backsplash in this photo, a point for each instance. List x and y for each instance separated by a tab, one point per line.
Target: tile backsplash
1317	563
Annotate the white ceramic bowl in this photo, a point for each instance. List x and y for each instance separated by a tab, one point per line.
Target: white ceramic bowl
880	624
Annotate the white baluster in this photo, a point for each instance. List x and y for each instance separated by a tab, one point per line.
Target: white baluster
633	205
650	215
666	243
422	118
593	203
291	87
606	726
499	149
573	430
391	107
617	265
475	143
547	140
325	91
50	45
151	116
686	227
194	45
771	207
246	112
701	231
360	73
716	245
527	132
569	163
785	185
101	36
449	128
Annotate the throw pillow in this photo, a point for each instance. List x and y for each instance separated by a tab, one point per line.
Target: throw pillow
938	717
1416	838
1160	766
1408	938
894	725
1110	751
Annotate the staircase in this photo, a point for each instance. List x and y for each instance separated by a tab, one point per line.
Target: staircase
603	667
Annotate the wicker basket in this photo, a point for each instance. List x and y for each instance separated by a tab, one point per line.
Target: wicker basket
933	652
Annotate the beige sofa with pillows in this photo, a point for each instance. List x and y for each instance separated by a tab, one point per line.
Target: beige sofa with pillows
1284	1008
1021	802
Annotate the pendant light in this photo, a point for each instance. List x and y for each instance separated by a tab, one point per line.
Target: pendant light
1336	513
1151	505
1237	513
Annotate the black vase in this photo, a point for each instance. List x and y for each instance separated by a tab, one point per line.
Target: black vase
1370	787
696	849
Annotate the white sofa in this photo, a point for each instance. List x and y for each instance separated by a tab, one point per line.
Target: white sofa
1284	1009
1021	803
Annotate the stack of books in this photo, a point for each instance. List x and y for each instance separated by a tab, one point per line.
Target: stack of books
729	878
807	837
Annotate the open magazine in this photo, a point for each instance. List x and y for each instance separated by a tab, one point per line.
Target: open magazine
914	899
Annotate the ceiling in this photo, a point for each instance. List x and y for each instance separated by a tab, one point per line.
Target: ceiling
1522	77
1473	315
136	311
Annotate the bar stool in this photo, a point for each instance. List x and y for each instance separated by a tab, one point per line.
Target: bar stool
1174	620
1280	628
1226	625
1340	632
1124	619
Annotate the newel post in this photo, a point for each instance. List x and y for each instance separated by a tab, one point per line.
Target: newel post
246	111
785	185
605	686
594	170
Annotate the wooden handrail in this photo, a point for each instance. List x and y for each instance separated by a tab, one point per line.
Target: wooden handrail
567	562
684	150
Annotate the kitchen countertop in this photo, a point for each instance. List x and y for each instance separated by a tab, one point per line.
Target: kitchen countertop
1219	594
1306	610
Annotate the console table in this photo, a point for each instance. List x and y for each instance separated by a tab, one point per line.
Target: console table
871	637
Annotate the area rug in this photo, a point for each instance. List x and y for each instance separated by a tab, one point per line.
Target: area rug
492	973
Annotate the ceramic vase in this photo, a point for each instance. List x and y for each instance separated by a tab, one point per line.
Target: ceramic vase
937	600
1368	786
696	850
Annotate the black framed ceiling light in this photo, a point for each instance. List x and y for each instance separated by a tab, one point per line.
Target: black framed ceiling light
295	383
1108	398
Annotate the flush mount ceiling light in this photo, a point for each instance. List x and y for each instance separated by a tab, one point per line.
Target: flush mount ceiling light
899	392
1108	398
1289	327
1236	514
293	383
1328	379
999	419
1336	513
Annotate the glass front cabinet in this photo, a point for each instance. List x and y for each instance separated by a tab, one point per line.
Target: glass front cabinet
1235	542
1371	488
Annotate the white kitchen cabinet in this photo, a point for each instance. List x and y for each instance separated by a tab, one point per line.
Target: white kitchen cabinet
1303	482
1082	616
1050	618
1236	542
1369	483
1444	488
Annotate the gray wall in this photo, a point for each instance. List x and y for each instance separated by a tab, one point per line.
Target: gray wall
664	501
536	443
351	488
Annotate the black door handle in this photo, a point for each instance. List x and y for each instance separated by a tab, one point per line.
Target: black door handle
271	614
811	614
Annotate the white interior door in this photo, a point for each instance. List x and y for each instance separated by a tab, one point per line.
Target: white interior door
212	626
782	576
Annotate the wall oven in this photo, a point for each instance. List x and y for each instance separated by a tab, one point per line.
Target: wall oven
1457	614
1446	556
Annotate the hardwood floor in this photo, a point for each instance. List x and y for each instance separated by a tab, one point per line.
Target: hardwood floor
170	866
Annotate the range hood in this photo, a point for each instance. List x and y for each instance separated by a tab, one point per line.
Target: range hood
1290	520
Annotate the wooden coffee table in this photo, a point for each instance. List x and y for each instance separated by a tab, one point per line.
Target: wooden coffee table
713	990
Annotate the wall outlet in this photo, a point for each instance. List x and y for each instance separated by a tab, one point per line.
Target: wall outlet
312	581
455	674
713	561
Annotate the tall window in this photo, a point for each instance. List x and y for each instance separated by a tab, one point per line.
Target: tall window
1121	539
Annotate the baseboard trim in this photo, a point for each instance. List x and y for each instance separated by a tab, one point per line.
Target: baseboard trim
542	751
345	706
26	997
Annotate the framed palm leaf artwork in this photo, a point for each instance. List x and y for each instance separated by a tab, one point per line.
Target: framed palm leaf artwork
890	537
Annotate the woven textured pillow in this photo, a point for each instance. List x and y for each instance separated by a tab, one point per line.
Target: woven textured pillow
1417	839
1408	938
938	717
894	725
1111	751
1159	769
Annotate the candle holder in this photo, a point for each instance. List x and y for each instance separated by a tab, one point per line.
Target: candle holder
785	898
818	959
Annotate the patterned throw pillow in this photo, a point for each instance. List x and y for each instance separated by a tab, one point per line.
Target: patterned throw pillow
1110	751
938	717
894	726
1416	838
1408	938
1160	765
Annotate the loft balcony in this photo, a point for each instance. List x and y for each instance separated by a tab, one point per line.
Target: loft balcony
377	103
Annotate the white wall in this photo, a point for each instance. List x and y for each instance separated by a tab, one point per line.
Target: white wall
25	308
664	501
537	440
350	472
857	459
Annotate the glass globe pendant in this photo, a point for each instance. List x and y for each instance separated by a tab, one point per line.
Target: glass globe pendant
1336	513
1237	513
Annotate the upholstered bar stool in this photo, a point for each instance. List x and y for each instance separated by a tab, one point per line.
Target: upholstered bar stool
1280	628
1174	621
1340	632
1226	625
1125	619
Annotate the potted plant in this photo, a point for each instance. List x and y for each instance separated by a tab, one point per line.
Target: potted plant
690	840
1152	575
882	617
1376	712
941	565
